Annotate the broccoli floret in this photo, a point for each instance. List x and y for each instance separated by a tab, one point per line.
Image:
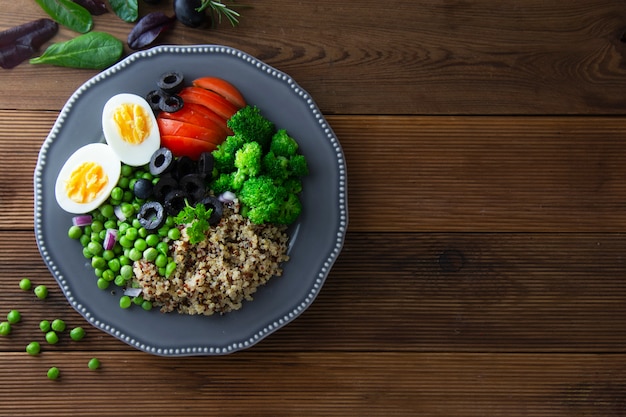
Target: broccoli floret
263	199
276	167
298	166
248	159
283	145
223	183
293	185
224	154
250	123
289	210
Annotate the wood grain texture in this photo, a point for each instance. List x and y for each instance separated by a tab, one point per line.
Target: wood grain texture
526	174
447	57
314	384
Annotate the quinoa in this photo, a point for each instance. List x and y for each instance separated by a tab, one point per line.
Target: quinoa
219	273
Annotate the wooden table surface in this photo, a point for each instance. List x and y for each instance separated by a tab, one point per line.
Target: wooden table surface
483	272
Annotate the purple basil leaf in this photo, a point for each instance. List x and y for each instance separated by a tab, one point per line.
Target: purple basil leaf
19	43
95	7
148	29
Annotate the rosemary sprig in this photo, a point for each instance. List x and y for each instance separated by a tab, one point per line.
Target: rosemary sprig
219	9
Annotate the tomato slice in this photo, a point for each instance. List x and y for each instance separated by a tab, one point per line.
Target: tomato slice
171	127
223	88
184	146
197	114
210	100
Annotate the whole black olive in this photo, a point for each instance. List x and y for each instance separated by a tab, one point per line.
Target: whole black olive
174	202
164	186
170	82
187	13
184	166
143	188
213	203
151	215
194	186
161	161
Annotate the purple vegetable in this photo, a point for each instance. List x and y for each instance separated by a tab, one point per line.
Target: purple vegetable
148	29
18	43
95	7
82	220
109	239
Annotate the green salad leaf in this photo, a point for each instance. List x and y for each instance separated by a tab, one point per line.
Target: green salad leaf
93	50
127	10
68	13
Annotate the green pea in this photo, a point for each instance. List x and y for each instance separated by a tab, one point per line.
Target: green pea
136	224
163	231
5	328
140	244
169	221
125	301
93	364
108	255
94	247
107	211
163	247
123	182
98	262
110	224
173	234
152	240
52	338
123	227
127	210
126	242
170	268
87	230
117	193
125	260
138	300
135	254
33	348
14	317
146	305
131	233
119	281
97	226
58	325
126	170
126	272
108	275
114	265
84	240
102	283
161	260
41	291
142	232
87	253
77	333
53	373
98	272
44	325
75	232
25	284
150	254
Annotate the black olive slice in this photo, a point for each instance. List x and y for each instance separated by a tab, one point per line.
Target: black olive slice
161	161
164	186
206	163
151	215
175	201
184	166
143	188
213	203
171	103
171	82
154	99
193	185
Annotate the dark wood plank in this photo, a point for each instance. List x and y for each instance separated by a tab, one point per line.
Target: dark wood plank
412	292
413	57
314	384
471	174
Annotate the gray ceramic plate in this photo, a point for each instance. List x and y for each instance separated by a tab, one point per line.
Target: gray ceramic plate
316	239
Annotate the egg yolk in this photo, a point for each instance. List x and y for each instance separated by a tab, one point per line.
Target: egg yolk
132	122
86	182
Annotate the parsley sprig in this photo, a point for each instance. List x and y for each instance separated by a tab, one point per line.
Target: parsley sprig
218	9
196	220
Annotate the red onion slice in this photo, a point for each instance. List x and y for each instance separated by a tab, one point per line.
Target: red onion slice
83	220
132	292
118	213
109	239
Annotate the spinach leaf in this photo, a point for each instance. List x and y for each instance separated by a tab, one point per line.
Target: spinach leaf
68	14
127	10
94	50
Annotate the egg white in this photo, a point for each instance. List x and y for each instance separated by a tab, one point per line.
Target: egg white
99	153
130	154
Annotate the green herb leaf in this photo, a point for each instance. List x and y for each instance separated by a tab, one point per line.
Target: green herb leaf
94	50
218	9
197	221
127	10
68	14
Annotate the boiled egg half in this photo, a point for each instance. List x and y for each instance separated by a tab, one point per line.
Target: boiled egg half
87	178
130	128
